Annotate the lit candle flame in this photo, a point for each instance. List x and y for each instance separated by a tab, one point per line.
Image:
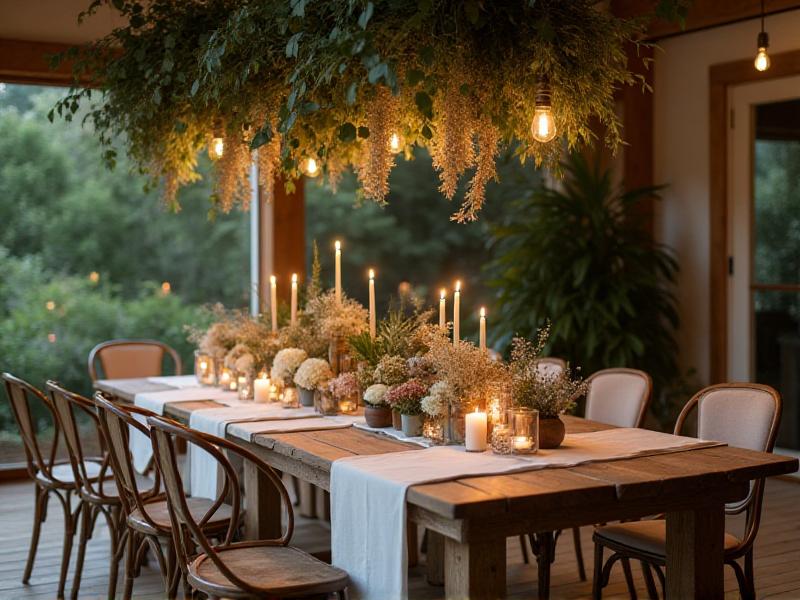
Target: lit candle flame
273	279
442	294
372	274
294	277
337	244
458	285
483	312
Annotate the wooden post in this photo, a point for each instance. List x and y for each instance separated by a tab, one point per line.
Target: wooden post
434	557
263	510
695	548
475	570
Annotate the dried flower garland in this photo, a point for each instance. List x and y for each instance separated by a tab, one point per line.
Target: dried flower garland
349	83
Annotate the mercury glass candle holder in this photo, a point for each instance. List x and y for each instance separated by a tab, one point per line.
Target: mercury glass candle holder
501	439
524	426
325	403
244	384
289	398
204	368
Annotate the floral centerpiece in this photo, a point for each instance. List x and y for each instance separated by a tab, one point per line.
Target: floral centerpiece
312	376
550	392
344	390
376	411
336	322
406	399
286	363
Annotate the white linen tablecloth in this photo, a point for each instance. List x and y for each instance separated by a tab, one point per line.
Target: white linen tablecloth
368	495
396	434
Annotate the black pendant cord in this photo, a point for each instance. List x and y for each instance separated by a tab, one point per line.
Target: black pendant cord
762	16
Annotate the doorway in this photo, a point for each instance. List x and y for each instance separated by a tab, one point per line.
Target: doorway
764	242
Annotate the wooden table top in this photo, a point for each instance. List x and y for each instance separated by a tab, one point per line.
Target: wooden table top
645	483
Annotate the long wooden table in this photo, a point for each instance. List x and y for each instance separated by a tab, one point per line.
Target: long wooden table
469	519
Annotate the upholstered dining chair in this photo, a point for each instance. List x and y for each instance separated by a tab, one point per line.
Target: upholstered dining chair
227	568
123	359
50	475
743	415
98	495
147	517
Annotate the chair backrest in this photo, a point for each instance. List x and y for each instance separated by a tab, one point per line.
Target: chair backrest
127	359
550	365
186	530
743	415
118	423
618	397
24	399
67	405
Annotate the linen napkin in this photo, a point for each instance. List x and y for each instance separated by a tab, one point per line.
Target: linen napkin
368	495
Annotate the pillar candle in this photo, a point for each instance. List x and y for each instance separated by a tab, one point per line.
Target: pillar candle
442	310
261	388
482	343
456	311
475	431
372	322
294	299
273	301
338	265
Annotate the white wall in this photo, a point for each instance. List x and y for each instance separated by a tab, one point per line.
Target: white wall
681	158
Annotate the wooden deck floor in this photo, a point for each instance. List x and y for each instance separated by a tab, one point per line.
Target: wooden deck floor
777	555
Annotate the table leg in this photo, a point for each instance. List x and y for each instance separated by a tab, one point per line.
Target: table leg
475	570
434	558
263	510
695	553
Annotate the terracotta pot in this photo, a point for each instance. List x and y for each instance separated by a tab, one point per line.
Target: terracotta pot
412	425
378	416
551	432
396	422
306	396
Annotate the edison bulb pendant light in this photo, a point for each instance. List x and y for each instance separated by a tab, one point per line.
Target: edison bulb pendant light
543	126
394	143
762	61
216	148
311	168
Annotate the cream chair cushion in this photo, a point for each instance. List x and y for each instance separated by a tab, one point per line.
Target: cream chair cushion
740	417
616	397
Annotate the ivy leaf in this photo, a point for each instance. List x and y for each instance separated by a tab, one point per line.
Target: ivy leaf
293	45
366	15
264	136
298	8
377	72
309	107
195	87
424	104
347	132
351	93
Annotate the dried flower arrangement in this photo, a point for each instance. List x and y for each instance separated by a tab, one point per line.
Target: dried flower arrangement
333	319
440	397
286	363
375	395
344	386
406	397
313	374
391	370
551	393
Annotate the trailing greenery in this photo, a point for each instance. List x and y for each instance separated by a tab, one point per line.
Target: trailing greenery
334	81
579	256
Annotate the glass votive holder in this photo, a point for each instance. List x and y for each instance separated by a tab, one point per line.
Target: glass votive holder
289	398
226	379
501	439
325	403
244	385
432	430
204	368
524	426
349	404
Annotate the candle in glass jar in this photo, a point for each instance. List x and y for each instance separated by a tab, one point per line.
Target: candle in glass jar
482	343
225	377
262	387
522	442
372	318
456	313
475	425
273	301
442	310
294	298
338	271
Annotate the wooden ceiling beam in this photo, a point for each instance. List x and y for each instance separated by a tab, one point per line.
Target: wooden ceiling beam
29	62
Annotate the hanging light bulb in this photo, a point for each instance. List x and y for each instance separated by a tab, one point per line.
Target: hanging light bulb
762	61
216	148
543	126
311	168
394	143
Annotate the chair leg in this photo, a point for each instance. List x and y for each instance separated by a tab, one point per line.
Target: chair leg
86	522
69	536
576	539
650	583
749	575
626	568
597	577
544	547
40	497
118	541
523	544
130	565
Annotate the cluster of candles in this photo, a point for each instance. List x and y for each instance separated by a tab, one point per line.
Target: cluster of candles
519	435
273	297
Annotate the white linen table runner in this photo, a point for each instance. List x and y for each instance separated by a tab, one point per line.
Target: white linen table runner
368	495
247	430
177	381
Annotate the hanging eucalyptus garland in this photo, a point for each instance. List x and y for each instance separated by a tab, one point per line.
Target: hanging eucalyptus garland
327	85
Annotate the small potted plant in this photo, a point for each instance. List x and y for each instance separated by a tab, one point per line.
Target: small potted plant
311	377
392	370
376	411
551	393
406	399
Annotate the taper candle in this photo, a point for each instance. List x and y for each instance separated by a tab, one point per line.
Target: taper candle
294	298
372	319
482	337
338	266
273	301
456	313
442	310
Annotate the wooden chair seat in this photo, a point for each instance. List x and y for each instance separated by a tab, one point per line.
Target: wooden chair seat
63	477
646	536
276	571
158	511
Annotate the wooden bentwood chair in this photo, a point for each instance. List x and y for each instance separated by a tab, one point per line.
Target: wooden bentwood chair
49	475
147	516
744	415
617	396
253	569
126	359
